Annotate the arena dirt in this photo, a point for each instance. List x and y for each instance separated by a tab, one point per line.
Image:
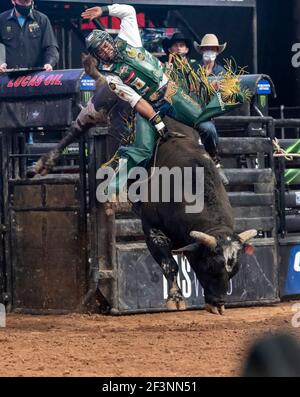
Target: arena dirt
191	343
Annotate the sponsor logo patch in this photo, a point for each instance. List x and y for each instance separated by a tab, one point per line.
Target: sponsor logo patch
138	83
131	52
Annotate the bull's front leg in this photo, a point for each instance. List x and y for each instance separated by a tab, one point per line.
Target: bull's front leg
160	248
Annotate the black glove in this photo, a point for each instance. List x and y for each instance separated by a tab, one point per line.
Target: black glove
160	126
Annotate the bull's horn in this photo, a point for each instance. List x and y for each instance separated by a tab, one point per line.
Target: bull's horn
245	236
203	238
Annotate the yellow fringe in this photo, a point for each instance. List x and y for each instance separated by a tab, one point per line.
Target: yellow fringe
185	76
109	162
227	84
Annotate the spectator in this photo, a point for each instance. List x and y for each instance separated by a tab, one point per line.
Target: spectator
26	40
210	49
181	46
27	37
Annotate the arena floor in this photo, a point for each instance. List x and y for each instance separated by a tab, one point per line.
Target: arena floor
192	343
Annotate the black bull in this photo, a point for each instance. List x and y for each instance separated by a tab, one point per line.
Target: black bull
207	237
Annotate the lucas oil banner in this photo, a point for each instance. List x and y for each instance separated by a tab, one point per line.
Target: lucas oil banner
58	82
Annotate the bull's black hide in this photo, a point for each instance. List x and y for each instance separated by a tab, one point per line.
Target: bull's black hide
213	253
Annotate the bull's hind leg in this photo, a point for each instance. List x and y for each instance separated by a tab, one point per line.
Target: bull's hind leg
160	247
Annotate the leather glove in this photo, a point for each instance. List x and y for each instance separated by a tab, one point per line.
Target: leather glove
160	126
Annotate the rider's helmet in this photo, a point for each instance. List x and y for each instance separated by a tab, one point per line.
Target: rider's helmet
102	46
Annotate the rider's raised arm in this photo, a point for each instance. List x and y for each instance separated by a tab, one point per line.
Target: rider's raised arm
129	30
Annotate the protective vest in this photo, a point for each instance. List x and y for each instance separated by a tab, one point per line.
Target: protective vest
138	69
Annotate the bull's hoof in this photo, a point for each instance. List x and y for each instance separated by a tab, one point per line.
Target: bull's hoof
171	304
181	305
176	304
222	310
31	172
175	301
90	65
211	309
214	309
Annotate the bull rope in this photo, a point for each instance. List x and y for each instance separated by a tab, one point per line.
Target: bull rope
280	152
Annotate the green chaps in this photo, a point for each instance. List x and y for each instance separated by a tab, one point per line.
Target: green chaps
138	153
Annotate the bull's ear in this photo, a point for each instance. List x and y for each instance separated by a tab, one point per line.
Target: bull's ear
249	249
188	248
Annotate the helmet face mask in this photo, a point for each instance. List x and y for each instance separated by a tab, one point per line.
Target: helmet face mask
105	52
102	46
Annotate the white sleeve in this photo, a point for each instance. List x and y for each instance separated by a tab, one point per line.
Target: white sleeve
129	30
122	90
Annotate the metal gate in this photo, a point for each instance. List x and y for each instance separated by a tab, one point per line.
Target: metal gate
48	245
288	178
45	262
3	296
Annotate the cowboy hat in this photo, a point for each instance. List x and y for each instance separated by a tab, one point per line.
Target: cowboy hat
167	43
209	40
